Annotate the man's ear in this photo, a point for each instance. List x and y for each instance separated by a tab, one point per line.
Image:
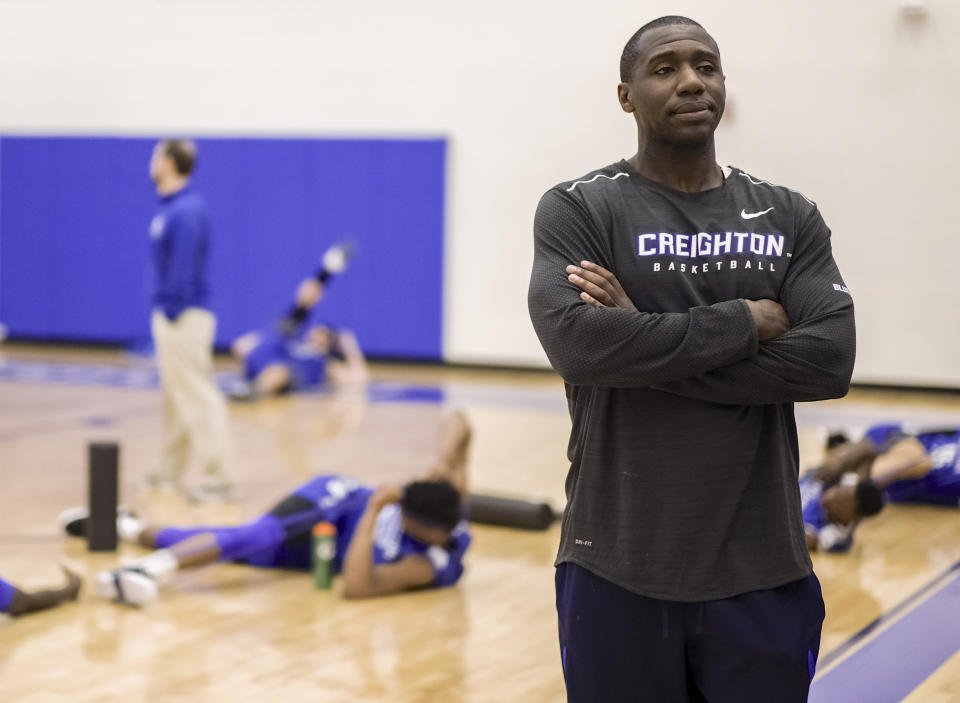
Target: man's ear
623	95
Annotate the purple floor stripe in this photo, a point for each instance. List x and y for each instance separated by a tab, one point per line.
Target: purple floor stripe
890	666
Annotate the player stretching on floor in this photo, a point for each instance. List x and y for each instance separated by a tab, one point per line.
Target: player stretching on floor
294	355
388	540
16	601
911	468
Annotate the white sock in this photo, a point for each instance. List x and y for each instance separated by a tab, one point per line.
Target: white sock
129	527
161	564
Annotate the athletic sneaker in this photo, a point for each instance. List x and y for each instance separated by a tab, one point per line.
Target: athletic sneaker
335	258
74	521
129	584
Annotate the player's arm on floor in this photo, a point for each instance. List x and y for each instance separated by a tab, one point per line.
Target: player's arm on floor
613	346
364	579
21	602
857	457
813	360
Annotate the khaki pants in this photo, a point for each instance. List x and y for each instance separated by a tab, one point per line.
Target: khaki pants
194	409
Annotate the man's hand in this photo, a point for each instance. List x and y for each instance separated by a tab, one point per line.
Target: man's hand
769	317
386	494
599	287
72	589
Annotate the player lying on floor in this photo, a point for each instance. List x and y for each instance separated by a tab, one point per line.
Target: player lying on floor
388	540
296	354
906	467
16	601
919	467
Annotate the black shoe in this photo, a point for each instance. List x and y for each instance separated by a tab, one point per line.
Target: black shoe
74	520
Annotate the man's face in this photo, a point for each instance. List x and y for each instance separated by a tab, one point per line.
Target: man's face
159	162
840	504
676	91
436	536
318	339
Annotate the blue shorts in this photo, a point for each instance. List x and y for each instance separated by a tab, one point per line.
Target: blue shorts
270	350
7	591
932	489
616	645
884	436
941	486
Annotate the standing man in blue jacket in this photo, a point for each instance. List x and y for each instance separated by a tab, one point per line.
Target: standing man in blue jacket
194	410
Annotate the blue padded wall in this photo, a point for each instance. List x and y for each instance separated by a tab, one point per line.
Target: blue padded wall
74	250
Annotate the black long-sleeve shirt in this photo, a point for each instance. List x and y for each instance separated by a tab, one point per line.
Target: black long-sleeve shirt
684	459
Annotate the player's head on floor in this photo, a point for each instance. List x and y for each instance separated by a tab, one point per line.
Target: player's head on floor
323	339
836	439
844	504
431	509
172	158
672	81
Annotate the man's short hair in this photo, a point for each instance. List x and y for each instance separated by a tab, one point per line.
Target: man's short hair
183	152
837	439
433	503
628	58
869	498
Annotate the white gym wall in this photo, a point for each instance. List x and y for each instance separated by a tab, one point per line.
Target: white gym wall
855	104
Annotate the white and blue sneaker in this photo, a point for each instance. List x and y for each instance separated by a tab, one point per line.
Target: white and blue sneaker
130	585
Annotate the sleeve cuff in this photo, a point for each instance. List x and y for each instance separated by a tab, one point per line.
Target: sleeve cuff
754	338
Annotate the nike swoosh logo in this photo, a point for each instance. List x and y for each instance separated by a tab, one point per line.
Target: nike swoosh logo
750	215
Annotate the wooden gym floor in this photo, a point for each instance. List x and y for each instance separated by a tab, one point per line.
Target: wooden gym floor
233	633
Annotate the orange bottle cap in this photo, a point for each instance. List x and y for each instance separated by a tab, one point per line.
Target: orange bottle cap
324	529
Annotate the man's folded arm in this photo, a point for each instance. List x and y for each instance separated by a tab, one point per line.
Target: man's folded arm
611	346
814	359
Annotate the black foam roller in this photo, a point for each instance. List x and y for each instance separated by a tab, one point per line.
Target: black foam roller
103	470
509	512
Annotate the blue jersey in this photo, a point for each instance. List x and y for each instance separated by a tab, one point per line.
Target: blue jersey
343	501
941	486
7	591
180	237
307	366
831	537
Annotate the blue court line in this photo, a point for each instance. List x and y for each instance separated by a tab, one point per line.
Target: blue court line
146	377
901	657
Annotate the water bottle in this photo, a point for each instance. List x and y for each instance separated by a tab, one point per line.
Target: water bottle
324	549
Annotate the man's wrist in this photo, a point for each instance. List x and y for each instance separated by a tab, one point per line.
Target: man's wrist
377	502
